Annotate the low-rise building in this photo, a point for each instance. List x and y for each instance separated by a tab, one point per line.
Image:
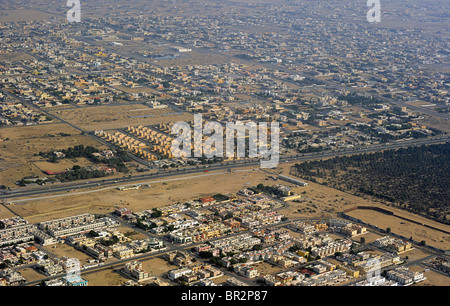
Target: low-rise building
134	269
175	274
404	276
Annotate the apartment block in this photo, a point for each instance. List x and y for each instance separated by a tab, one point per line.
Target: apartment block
75	225
404	276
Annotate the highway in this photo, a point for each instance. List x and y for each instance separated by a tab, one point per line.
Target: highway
28	192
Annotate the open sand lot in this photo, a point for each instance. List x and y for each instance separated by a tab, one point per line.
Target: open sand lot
161	193
23	15
5	213
407	229
116	117
64	164
414	254
437	123
15	56
108	277
369	237
62	249
265	268
18	154
432	278
31	274
157	266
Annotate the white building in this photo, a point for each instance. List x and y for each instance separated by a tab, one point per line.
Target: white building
174	274
404	276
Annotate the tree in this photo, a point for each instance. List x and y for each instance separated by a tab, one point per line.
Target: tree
156	213
228	216
257	247
93	234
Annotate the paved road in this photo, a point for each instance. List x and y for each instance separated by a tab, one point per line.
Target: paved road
164	174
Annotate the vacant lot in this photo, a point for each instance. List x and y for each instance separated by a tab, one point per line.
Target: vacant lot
160	193
407	229
62	249
15	56
432	278
158	266
23	15
108	277
30	274
64	164
116	117
18	154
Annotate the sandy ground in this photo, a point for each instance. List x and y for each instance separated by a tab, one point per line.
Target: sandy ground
5	213
30	274
158	267
113	277
23	15
438	123
109	277
432	278
221	280
15	56
63	164
116	117
65	250
18	154
408	229
265	268
160	194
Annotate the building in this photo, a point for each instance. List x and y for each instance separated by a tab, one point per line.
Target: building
180	237
207	201
330	249
235	282
303	227
57	282
17	234
75	281
292	180
49	267
246	270
122	251
392	244
123	211
174	274
11	277
404	276
75	225
134	270
43	238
